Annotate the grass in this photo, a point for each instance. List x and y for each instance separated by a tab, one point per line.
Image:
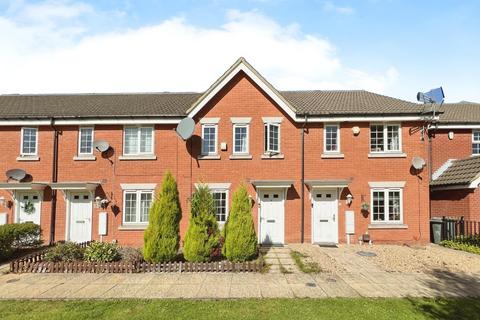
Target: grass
244	309
305	266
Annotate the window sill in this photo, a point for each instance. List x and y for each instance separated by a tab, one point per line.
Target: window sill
140	157
28	158
387	155
209	157
333	156
133	227
84	158
387	226
277	156
241	157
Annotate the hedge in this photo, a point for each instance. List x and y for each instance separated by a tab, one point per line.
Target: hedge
18	235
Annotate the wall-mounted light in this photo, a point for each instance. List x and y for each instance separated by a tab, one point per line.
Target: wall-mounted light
349	199
450	135
101	203
356	130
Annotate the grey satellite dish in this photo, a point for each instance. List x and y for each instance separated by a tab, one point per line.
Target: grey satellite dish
433	96
101	145
418	163
16	174
185	128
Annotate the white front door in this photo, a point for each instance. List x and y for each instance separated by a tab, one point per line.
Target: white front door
272	213
80	217
29	206
325	216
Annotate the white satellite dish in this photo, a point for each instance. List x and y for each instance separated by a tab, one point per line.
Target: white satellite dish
101	145
16	174
418	163
185	128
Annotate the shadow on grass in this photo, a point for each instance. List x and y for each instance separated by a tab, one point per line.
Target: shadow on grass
459	294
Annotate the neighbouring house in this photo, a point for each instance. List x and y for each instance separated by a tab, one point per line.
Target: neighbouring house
357	147
456	162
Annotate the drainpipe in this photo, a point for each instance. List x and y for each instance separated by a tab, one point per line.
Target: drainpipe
53	212
302	193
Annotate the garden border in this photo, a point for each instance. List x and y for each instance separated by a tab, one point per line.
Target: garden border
34	263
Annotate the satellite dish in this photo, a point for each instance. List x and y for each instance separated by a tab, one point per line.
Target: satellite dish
418	163
185	128
16	174
433	96
101	145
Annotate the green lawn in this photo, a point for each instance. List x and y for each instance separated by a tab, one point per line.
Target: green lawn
244	309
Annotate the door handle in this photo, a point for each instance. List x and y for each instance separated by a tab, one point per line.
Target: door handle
333	217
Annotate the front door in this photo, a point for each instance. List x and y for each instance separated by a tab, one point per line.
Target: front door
80	217
29	207
325	216
272	212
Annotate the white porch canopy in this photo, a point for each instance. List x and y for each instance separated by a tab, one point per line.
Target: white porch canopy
88	186
330	184
37	186
272	184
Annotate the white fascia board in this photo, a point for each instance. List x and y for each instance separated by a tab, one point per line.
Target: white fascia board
387	184
81	122
258	81
457	126
359	119
138	186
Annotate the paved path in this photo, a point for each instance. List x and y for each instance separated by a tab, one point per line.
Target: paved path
360	278
279	259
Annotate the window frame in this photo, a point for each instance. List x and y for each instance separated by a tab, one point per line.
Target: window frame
266	147
80	141
241	125
325	138
475	142
204	126
386	205
385	126
22	153
139	153
226	191
138	194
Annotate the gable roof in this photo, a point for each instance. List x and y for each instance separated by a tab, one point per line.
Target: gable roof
458	113
463	172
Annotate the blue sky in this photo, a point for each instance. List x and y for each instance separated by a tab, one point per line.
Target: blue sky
388	46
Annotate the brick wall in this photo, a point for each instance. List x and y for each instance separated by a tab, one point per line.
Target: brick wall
240	98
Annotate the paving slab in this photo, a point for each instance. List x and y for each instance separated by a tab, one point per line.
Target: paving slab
92	291
61	291
245	291
153	291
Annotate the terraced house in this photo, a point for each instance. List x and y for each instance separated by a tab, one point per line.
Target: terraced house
320	166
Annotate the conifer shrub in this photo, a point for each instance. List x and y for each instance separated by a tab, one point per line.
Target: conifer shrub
202	237
162	237
240	238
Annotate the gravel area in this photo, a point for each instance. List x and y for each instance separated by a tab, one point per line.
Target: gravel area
326	263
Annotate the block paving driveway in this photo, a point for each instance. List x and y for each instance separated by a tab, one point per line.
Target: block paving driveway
360	278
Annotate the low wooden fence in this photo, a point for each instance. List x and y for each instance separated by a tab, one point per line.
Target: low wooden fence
34	263
454	228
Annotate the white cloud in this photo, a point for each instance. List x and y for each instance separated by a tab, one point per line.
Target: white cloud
50	55
331	7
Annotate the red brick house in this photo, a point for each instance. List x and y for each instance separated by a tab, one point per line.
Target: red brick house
357	150
456	162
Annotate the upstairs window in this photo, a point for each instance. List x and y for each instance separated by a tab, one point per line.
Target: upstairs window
331	138
387	206
29	142
209	139
272	138
240	139
138	141
385	138
476	142
85	141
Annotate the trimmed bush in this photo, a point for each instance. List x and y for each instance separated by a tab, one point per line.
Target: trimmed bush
18	235
66	251
202	237
162	237
101	252
130	254
240	238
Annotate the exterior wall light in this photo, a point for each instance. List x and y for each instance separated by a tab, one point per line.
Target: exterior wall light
356	130
349	199
101	203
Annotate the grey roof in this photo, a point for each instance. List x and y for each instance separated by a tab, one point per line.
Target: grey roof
460	172
356	102
464	112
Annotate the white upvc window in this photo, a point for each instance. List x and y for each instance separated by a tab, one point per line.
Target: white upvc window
209	138
220	201
85	141
385	137
476	142
29	142
387	205
241	139
138	141
136	206
272	138
331	138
